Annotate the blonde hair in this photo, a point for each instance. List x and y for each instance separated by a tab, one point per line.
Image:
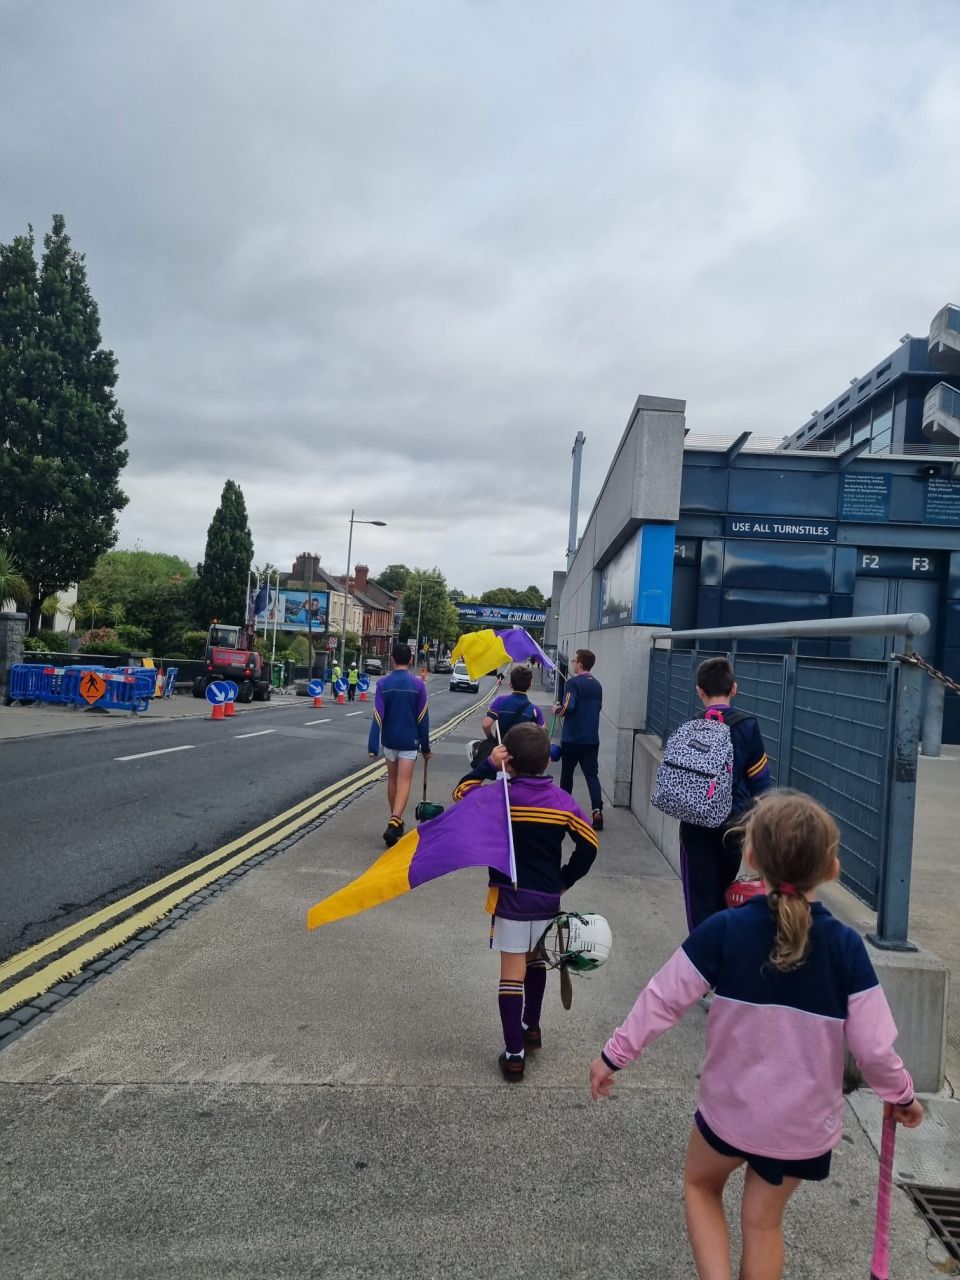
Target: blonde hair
794	842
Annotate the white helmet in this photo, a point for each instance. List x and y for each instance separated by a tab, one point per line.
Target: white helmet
577	942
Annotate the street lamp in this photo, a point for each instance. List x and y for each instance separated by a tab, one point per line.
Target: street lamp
346	581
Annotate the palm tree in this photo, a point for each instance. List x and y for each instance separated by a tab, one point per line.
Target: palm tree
116	613
94	607
50	607
77	613
13	585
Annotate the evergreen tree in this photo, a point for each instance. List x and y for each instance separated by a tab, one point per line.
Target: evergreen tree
61	448
222	589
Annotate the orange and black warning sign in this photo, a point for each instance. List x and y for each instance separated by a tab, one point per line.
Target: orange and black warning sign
92	686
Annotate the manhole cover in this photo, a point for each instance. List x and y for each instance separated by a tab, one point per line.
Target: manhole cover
941	1208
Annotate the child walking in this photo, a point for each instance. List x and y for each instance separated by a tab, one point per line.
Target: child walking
540	816
791	983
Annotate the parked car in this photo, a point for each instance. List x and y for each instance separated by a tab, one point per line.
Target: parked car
460	679
373	666
444	666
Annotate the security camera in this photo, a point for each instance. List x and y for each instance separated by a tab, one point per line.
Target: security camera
930	470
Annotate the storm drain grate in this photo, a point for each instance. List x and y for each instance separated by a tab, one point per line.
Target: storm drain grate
941	1208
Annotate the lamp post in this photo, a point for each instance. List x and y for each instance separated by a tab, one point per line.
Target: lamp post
346	581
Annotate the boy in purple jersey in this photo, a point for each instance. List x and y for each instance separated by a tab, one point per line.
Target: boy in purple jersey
793	987
401	721
540	816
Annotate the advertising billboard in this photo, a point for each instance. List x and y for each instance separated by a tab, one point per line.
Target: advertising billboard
495	615
298	611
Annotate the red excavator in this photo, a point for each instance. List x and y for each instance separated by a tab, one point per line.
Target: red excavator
230	655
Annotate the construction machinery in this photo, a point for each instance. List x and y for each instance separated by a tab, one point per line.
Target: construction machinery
230	654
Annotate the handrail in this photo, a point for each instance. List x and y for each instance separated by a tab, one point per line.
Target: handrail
885	624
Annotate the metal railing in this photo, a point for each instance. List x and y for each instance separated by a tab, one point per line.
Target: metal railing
844	730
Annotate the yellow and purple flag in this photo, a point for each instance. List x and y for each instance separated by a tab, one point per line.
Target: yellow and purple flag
476	832
485	651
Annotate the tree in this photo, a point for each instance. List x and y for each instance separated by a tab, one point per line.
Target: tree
61	448
393	578
434	616
222	590
122	577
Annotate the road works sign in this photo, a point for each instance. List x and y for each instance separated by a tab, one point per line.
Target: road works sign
92	687
218	691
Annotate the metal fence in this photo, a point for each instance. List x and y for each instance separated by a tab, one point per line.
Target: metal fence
845	731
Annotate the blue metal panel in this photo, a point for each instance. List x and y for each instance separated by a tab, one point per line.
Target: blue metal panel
655	579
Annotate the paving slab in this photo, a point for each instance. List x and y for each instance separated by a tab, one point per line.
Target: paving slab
241	1098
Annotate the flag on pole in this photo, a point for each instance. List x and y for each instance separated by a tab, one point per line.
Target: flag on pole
485	651
476	832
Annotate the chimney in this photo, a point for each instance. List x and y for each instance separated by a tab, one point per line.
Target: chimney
360	574
306	567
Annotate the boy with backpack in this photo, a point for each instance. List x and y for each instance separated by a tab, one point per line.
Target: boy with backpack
506	711
712	770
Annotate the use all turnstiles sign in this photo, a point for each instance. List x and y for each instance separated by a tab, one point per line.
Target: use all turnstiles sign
92	686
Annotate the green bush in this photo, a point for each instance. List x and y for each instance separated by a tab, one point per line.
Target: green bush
136	639
34	644
103	640
193	643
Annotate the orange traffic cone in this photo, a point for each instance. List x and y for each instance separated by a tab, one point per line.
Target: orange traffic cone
217	711
318	700
341	697
229	709
363	695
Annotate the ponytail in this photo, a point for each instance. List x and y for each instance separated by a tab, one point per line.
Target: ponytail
792	914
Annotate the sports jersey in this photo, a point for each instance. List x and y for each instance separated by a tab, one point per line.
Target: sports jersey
512	708
751	768
582	700
771	1081
540	816
400	714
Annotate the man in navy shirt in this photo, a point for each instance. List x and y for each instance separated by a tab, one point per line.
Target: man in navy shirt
401	722
580	736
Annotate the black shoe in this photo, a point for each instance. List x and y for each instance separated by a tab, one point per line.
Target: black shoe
511	1068
532	1039
393	832
598	819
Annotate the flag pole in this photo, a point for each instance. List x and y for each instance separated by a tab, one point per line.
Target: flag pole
506	801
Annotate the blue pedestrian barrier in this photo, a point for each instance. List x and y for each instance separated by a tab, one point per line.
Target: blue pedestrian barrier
169	681
125	688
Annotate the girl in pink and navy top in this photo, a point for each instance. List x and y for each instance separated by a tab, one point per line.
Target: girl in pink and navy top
792	985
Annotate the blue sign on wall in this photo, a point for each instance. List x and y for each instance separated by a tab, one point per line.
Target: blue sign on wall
787	528
636	586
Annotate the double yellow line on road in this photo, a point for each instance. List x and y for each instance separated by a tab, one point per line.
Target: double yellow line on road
188	881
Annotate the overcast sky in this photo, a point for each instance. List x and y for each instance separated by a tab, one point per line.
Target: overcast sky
393	255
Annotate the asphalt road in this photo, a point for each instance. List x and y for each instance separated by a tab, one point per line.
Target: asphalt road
89	817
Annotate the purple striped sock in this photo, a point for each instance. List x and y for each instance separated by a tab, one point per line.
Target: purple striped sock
511	1013
534	985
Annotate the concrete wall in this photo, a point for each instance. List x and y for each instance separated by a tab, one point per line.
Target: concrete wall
643	484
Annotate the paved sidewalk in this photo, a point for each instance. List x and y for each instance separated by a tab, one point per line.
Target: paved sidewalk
245	1099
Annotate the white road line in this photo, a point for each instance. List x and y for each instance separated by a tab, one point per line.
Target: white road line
353	713
258	734
142	755
327	721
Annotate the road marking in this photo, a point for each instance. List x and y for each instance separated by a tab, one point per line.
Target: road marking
190	879
327	721
258	734
164	752
353	713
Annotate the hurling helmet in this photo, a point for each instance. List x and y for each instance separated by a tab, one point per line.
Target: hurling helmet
580	943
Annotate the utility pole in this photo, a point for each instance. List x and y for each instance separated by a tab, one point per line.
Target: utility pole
310	619
577	454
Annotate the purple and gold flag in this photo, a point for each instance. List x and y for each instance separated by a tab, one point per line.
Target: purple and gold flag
476	832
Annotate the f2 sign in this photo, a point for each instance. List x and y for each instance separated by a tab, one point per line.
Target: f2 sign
898	563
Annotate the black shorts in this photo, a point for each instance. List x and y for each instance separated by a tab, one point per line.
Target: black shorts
769	1168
